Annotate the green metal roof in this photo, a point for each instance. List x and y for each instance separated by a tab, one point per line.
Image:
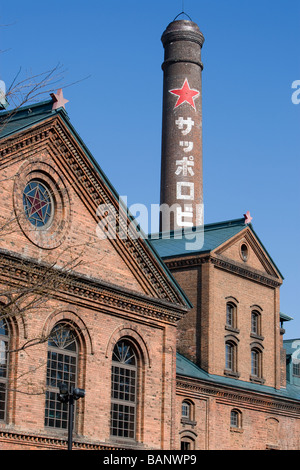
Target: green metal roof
16	120
186	368
213	235
285	317
201	239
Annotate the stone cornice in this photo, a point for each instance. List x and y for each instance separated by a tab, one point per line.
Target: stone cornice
260	401
225	264
47	442
187	261
87	291
249	273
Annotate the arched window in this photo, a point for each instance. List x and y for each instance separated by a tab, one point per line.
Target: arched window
235	419
187	443
4	355
230	356
255	322
62	365
186	410
256	362
124	390
231	315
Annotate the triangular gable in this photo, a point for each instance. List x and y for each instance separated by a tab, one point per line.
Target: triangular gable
245	248
222	242
25	127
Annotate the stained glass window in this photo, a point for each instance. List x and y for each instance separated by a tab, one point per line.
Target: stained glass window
37	203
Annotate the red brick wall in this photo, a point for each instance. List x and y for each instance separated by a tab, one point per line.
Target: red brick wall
78	239
100	330
265	422
201	333
102	319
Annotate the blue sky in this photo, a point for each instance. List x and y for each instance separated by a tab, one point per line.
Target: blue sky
250	125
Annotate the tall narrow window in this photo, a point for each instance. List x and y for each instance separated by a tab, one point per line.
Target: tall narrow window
230	356
124	391
256	374
186	410
256	363
61	368
4	342
235	419
231	316
255	323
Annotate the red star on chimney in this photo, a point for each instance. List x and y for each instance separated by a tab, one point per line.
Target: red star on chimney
185	94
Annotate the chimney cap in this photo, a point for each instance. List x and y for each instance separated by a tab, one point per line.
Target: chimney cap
182	30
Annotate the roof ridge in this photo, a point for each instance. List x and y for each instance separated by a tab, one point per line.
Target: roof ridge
19	119
194	229
24	108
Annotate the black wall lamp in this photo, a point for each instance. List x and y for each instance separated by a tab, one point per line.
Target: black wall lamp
69	396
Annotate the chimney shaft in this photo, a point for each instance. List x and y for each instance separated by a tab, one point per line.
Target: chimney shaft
181	196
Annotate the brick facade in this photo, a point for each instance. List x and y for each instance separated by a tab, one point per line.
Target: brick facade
266	423
211	281
108	290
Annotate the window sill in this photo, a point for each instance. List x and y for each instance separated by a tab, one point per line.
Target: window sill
128	442
231	373
185	421
240	430
258	380
256	336
232	329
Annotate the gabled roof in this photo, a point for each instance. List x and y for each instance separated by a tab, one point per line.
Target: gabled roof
210	236
169	244
16	120
188	369
13	122
20	119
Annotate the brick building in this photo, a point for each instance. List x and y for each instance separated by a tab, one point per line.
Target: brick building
175	348
232	384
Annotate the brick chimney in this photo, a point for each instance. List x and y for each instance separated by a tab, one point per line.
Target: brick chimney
181	196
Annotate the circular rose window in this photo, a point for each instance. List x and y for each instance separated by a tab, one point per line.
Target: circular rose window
38	204
42	202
